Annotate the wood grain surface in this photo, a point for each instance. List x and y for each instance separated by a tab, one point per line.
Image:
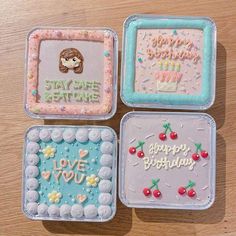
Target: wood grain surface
16	19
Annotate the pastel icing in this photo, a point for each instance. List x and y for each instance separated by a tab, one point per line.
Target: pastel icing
105	186
32	171
168	160
32	148
32	159
104	211
43	210
82	135
45	135
106	160
77	211
33	135
57	135
67	176
32	208
169	62
32	183
71	72
107	135
90	211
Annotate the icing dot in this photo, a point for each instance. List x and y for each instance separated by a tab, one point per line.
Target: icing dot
32	183
34	92
43	210
65	210
94	135
105	186
106	160
106	53
53	211
105	172
107	135
32	208
105	198
69	135
90	211
82	135
45	135
77	211
56	135
32	159
93	160
104	211
32	196
106	148
32	147
33	135
32	171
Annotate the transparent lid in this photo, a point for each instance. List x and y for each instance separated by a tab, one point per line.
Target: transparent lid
168	62
71	73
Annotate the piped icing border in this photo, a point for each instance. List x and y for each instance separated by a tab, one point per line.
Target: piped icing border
135	151
107	174
34	39
132	98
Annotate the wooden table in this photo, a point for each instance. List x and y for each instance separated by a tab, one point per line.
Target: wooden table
16	19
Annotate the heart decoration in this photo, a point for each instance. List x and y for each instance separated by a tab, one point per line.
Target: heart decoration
68	175
83	153
46	175
81	197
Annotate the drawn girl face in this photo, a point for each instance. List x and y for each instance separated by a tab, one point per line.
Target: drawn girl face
71	59
71	63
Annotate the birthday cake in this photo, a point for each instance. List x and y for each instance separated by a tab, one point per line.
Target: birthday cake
69	173
167	160
168	62
71	73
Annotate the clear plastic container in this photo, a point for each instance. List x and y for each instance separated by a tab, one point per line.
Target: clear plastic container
167	160
71	73
168	62
69	173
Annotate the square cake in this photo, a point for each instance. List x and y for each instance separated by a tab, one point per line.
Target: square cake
167	160
69	173
71	73
168	62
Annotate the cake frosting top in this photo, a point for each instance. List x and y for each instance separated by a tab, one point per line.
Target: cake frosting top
69	173
168	160
71	73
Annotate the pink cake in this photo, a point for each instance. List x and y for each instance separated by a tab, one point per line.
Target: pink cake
167	160
71	73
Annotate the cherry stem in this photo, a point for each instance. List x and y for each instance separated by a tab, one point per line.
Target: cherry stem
140	144
154	183
190	184
166	126
198	147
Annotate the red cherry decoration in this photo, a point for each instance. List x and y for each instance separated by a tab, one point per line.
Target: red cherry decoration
182	190
195	156
173	135
204	154
156	193
147	192
132	150
191	192
162	136
140	154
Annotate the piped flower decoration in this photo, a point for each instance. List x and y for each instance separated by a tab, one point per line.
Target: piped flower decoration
54	197
49	152
92	180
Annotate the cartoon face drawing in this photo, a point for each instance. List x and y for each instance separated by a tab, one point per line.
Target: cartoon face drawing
71	58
